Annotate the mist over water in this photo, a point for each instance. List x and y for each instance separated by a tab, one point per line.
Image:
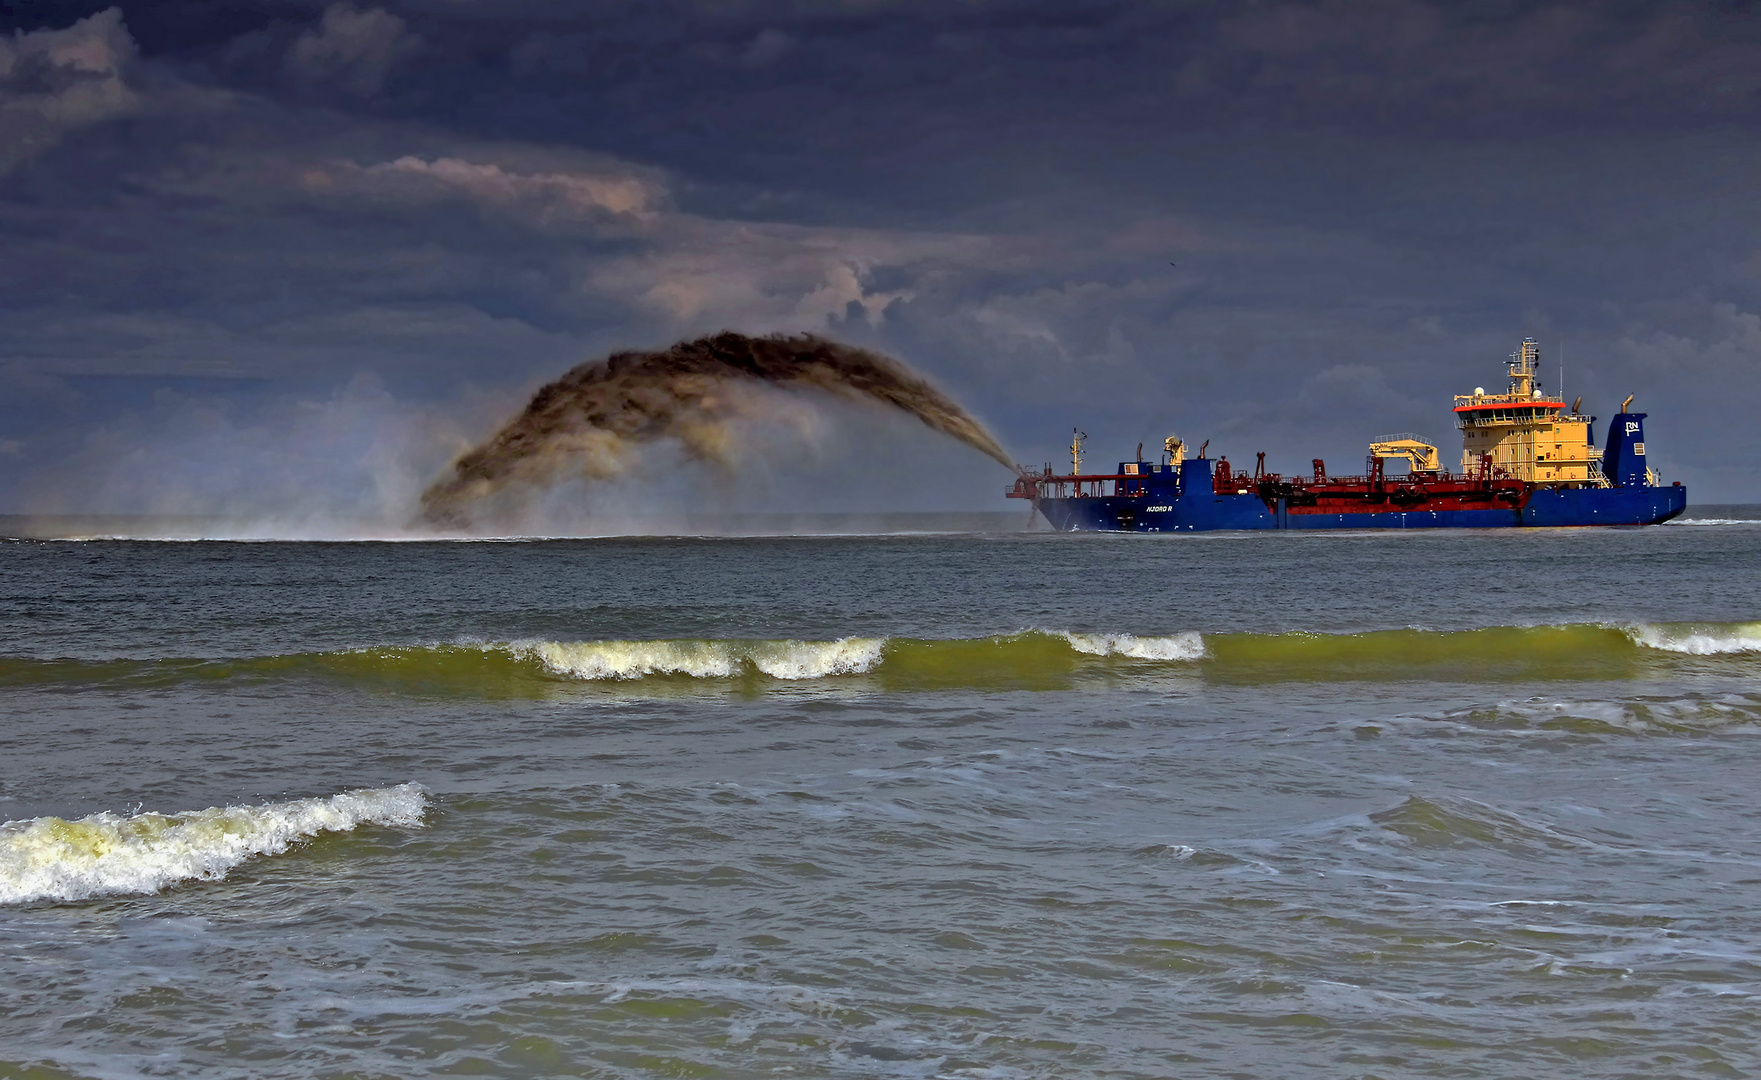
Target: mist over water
590	423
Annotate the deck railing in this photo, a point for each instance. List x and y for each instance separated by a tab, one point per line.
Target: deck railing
1504	399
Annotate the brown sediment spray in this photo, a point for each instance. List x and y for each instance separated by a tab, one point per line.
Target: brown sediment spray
588	422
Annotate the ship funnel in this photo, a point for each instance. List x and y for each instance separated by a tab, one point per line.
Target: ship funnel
1623	462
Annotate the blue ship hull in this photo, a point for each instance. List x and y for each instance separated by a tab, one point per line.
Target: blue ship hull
1202	510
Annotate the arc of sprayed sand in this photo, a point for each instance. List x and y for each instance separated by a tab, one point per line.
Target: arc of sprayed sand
601	407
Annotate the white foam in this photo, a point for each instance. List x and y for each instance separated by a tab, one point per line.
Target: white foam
1699	640
633	659
1186	646
817	659
598	660
1713	521
50	858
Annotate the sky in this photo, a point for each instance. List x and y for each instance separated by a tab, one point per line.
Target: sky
288	258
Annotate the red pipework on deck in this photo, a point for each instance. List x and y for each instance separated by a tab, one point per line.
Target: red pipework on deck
1030	486
1486	487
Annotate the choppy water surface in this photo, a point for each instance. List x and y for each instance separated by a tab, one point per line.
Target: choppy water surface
984	806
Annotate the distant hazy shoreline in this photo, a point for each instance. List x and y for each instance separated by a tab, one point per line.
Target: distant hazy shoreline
176	527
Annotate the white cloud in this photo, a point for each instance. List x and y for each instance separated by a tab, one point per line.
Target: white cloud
351	49
545	196
685	272
677	272
703	274
842	287
52	81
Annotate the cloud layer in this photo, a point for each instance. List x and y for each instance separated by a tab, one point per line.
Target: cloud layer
217	217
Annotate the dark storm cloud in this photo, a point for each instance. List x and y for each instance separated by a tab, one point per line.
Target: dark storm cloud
219	217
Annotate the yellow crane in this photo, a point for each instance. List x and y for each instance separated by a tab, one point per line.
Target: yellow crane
1420	455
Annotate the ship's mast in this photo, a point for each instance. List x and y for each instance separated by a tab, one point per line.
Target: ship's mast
1077	438
1522	369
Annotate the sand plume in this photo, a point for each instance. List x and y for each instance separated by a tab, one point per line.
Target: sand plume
588	422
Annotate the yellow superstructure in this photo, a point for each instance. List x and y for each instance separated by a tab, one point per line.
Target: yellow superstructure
1525	434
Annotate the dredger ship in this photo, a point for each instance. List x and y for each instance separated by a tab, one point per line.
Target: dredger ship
1526	460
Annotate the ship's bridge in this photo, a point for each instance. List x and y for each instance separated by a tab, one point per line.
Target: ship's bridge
1485	410
1523	432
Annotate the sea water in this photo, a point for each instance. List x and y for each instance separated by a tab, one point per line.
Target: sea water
980	805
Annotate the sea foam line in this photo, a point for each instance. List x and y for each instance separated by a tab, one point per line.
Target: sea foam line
789	660
51	858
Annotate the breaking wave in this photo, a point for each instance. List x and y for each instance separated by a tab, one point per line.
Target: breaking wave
1187	646
705	659
1032	659
51	858
1699	639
